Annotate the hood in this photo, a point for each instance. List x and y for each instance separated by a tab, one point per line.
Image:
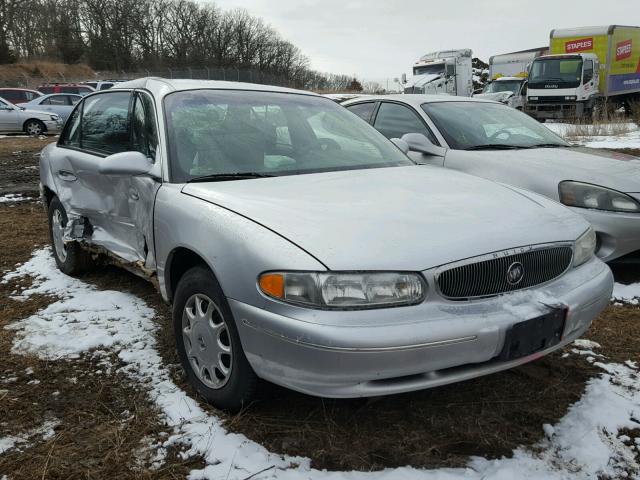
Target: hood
496	96
399	218
600	167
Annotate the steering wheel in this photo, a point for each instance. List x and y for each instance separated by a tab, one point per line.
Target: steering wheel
326	145
499	132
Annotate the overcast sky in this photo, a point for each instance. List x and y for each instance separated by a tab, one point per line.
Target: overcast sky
378	39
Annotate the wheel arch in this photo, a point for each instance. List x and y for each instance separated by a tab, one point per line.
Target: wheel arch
179	262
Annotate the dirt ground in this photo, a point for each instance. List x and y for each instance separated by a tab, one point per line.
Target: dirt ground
106	420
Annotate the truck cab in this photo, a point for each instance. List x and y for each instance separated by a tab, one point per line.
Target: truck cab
563	86
444	72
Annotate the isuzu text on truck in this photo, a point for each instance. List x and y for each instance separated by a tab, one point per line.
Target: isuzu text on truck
447	71
590	69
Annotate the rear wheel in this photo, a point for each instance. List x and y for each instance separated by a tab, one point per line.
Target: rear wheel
34	127
70	257
208	343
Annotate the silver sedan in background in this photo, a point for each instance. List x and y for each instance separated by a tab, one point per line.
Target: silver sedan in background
300	246
59	103
14	119
493	141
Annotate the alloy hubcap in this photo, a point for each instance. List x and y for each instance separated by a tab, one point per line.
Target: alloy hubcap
34	129
207	341
57	228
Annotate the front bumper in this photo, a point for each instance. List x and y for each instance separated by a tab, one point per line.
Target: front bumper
618	233
556	111
427	345
53	126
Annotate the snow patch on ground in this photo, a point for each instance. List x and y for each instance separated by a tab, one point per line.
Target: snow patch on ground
583	445
13	198
626	140
41	433
627	293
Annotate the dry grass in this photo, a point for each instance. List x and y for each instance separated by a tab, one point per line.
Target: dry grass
601	127
31	75
634	111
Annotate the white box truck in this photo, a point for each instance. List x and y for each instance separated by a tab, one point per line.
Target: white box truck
508	77
447	71
588	69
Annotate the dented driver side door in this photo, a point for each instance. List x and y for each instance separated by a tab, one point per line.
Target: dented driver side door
109	211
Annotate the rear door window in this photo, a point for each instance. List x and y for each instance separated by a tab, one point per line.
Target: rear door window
394	120
363	110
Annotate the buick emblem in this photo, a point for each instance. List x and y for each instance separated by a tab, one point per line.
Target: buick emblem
515	273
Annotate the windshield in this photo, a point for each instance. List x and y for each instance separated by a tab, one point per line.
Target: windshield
429	69
556	73
474	125
218	132
503	86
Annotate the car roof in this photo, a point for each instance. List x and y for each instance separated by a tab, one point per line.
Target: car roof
4	89
416	100
162	86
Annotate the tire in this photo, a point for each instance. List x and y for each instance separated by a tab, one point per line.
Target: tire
34	127
70	257
208	342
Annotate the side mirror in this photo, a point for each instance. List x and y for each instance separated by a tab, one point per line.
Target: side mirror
404	78
401	144
125	164
417	142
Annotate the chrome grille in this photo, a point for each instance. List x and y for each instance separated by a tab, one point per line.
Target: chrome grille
488	275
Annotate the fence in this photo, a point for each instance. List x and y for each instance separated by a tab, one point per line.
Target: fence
26	80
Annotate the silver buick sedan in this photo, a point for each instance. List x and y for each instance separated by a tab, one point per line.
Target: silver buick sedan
298	245
490	140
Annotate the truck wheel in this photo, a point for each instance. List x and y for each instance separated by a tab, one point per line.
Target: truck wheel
34	127
70	257
208	343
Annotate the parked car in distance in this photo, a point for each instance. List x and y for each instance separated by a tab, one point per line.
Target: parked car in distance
486	139
101	84
76	88
18	96
59	103
14	119
298	245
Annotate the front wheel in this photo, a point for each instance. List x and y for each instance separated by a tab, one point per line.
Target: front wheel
208	343
34	127
70	257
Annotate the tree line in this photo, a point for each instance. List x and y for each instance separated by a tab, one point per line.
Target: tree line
136	35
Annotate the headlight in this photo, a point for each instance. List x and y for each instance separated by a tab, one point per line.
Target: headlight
533	98
584	195
344	290
585	247
55	118
571	98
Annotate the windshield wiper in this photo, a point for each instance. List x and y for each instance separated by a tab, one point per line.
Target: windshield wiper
223	177
495	146
548	145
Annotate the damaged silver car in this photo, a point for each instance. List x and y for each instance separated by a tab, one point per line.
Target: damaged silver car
299	246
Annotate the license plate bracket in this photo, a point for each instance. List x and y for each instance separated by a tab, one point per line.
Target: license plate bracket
534	335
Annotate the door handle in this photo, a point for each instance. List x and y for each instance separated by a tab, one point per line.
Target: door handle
134	194
66	176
